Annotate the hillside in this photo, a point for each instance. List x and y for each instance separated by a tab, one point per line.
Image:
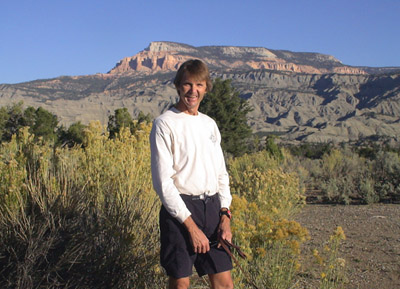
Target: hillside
301	96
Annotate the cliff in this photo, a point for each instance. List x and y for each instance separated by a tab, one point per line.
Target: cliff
300	96
168	56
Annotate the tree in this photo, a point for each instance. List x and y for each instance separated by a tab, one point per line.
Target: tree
75	134
11	120
142	118
229	111
3	121
29	116
272	148
45	124
121	118
41	122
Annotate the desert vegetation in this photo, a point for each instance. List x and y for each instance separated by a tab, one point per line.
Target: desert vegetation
86	216
348	175
72	218
77	208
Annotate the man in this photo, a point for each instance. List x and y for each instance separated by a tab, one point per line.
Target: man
190	177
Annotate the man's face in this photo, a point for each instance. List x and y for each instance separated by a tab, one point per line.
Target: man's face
191	92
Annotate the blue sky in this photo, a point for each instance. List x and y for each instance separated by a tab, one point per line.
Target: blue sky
49	38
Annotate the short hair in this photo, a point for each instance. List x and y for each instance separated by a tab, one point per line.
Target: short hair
195	68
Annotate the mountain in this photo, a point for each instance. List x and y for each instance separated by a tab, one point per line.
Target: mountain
167	56
301	96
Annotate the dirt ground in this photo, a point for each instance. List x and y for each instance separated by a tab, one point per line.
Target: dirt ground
371	249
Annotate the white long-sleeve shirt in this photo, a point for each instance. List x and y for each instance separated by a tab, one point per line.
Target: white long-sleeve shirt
186	158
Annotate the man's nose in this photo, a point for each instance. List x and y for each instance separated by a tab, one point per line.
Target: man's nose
192	88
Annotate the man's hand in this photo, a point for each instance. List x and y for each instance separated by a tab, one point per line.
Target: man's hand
225	229
199	241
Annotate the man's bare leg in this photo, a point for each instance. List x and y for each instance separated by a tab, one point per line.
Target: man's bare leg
221	280
181	283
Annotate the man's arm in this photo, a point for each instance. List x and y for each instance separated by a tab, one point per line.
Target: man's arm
224	194
225	227
162	171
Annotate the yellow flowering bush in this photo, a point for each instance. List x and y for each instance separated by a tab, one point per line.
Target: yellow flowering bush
259	178
12	174
79	217
333	267
264	198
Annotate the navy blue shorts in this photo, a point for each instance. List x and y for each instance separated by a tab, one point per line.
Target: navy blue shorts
177	256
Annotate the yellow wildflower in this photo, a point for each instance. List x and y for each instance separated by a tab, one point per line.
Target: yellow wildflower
339	233
318	257
341	262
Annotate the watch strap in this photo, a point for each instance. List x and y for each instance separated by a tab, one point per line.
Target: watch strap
226	213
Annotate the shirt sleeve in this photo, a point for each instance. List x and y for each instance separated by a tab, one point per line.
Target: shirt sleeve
161	146
224	192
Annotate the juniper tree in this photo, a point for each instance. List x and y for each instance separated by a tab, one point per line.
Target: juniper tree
121	118
45	124
229	111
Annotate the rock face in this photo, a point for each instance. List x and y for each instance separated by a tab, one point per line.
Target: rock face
168	56
300	96
322	108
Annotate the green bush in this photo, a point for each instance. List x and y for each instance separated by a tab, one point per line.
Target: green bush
387	176
367	191
342	176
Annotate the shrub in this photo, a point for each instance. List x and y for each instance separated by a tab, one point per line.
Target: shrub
79	218
333	267
342	176
367	191
310	150
346	176
264	198
272	148
387	176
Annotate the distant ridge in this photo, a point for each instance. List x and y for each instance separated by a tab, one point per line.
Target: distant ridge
167	56
301	96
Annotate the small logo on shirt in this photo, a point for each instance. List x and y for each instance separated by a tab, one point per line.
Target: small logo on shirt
213	138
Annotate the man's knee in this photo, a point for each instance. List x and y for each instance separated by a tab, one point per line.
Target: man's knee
221	280
227	285
181	283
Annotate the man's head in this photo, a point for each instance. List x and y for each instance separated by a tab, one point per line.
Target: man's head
192	82
196	69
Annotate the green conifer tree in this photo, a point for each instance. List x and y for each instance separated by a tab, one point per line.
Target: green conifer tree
45	124
229	111
11	120
121	118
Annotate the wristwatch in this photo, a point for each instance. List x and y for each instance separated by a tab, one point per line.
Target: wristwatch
225	212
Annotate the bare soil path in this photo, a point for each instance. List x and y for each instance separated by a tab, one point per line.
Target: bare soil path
372	246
